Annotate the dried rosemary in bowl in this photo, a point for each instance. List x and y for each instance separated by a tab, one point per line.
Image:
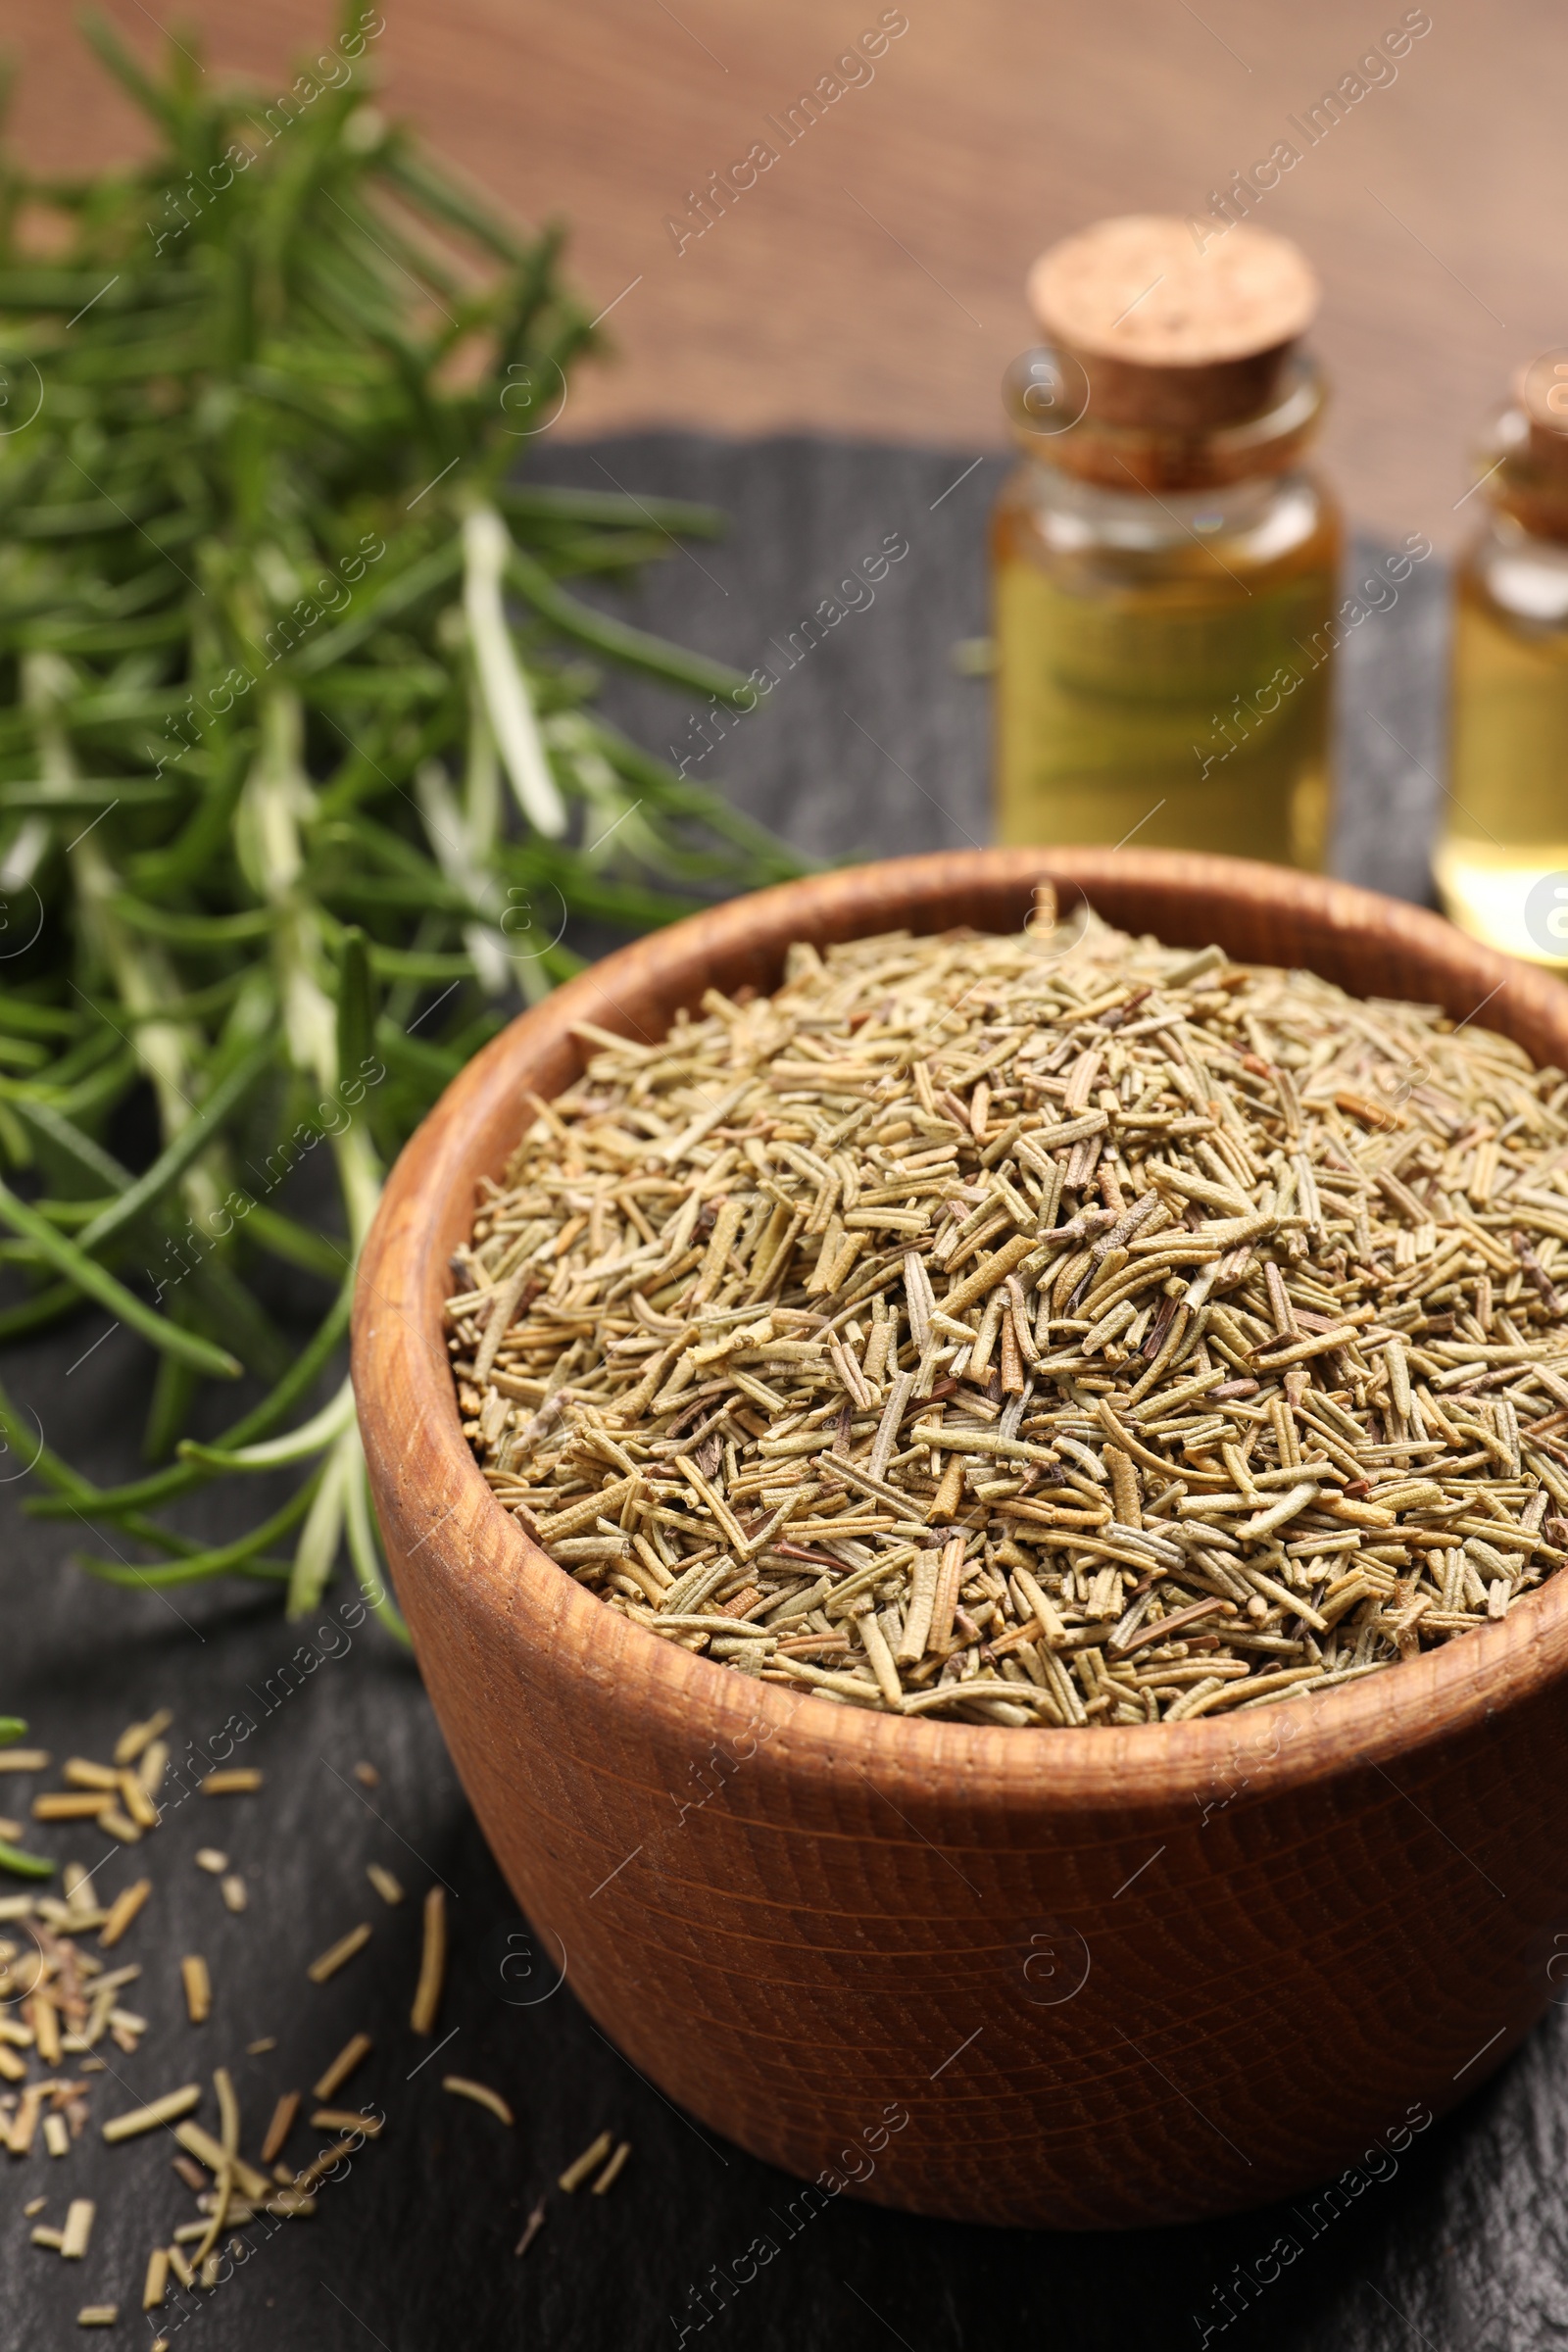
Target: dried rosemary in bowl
1051	1329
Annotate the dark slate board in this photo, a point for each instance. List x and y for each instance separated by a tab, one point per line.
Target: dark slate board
870	741
1457	2242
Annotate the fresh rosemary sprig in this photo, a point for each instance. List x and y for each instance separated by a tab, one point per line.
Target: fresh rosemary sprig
15	1858
263	708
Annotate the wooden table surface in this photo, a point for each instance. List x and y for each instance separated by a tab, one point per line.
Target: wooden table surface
870	282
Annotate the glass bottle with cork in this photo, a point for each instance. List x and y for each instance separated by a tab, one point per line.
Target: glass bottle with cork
1164	563
1501	859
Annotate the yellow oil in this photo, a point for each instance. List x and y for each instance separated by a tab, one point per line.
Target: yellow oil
1178	694
1501	861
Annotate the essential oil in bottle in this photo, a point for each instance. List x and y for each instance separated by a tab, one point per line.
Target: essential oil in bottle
1501	859
1164	563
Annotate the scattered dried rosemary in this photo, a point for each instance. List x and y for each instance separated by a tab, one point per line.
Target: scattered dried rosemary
1052	1330
60	2005
61	2008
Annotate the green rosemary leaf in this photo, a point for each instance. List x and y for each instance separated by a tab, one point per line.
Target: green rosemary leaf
239	1558
634	648
189	1144
422	579
195	930
38	1312
19	1014
22	1864
71	1490
92	1279
294	1244
675	516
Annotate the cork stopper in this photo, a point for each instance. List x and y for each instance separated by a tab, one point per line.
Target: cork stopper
1542	391
1523	463
1172	338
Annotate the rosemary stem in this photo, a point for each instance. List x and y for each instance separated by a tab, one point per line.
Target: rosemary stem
324	1527
360	1528
487	549
451	831
141	975
298	1445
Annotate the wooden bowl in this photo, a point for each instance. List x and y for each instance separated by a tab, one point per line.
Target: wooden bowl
1077	1979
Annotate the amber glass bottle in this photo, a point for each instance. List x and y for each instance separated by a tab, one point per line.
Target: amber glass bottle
1502	860
1163	561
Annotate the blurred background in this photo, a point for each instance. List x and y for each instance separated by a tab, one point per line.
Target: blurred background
872	282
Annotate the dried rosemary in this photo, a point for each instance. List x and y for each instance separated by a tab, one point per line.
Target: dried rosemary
59	2008
1052	1330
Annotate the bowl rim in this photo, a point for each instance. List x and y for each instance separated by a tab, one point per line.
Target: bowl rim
1400	1711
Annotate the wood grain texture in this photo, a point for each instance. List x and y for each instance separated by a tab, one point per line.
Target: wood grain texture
1112	1977
873	282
